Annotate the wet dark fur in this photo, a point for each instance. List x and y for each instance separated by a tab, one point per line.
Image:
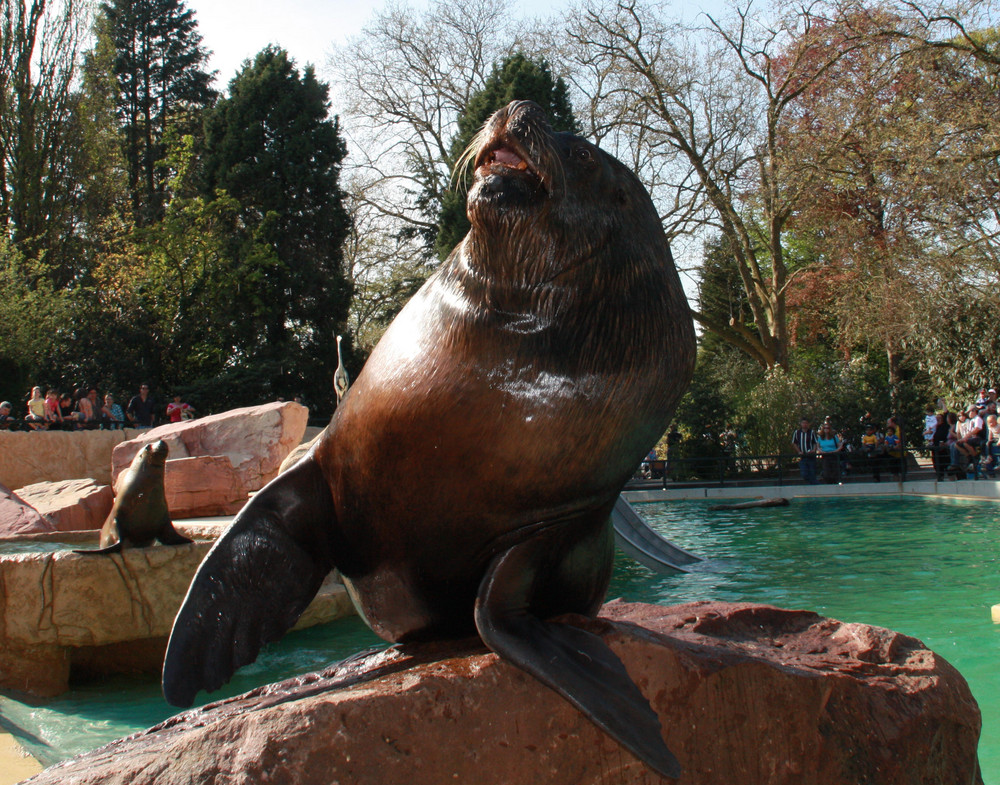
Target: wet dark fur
466	480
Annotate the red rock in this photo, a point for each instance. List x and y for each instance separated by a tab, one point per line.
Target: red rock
17	517
747	694
255	439
203	485
71	505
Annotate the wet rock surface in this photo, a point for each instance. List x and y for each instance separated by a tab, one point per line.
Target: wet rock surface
746	694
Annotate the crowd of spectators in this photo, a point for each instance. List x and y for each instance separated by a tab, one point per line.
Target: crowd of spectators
85	409
964	442
831	454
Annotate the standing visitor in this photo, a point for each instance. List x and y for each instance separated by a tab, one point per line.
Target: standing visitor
930	423
804	444
894	448
674	439
829	447
177	411
939	445
992	451
141	411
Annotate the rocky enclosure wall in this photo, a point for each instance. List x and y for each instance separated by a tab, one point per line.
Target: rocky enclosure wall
40	456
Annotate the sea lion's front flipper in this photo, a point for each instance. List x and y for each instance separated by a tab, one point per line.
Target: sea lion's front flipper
253	585
574	662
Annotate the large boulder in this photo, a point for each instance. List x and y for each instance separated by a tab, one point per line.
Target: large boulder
203	485
255	439
18	518
746	693
71	505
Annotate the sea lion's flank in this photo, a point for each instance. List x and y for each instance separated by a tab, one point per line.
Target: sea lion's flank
139	514
520	388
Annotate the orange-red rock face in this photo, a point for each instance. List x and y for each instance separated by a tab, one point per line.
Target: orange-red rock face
746	694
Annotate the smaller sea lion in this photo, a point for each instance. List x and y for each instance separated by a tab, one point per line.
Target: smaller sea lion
140	513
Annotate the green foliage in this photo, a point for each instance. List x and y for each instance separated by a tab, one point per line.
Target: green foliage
516	78
272	148
959	345
33	317
158	59
766	406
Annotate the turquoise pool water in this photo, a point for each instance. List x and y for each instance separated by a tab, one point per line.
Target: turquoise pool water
927	567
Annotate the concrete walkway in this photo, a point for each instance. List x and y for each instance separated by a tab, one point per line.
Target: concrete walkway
961	489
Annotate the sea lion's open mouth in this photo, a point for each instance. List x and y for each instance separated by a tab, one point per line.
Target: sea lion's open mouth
504	157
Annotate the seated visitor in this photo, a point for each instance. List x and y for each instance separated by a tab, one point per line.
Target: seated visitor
36	409
872	449
87	415
53	414
112	416
7	420
969	428
67	409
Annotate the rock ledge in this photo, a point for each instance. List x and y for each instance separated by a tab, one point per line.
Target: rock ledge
747	694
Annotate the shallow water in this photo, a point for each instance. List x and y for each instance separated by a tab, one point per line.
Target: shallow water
926	567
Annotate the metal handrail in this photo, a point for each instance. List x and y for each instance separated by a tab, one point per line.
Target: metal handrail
777	467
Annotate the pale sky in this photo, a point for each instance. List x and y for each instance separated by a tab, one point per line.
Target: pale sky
235	30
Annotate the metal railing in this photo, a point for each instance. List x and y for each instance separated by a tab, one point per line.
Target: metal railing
774	469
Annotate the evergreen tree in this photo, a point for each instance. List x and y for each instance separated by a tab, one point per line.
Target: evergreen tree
516	78
272	147
160	82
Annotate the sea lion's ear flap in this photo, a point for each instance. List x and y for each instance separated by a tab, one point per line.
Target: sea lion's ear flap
253	585
574	662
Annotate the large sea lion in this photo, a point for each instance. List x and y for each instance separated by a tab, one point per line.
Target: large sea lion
510	401
139	514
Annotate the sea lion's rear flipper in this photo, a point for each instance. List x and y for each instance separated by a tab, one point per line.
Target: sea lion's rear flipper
170	536
574	662
253	584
